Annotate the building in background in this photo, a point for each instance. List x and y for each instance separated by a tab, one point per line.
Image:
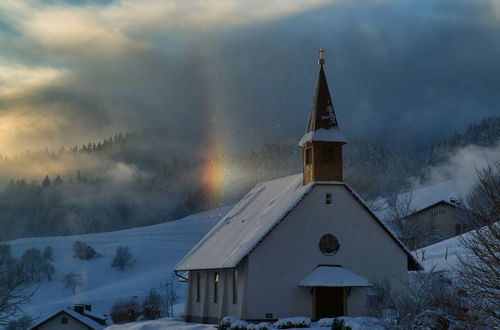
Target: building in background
78	317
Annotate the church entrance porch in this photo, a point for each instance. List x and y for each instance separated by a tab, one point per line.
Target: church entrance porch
330	286
329	302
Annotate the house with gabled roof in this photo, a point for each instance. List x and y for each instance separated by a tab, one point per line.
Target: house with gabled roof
77	317
303	245
440	207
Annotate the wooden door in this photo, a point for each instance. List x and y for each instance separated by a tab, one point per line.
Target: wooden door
328	302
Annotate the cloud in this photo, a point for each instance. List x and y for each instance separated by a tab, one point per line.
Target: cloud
16	80
462	166
242	72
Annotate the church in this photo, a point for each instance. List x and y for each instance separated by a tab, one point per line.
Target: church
303	245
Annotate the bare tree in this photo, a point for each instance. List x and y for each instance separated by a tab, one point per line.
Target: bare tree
428	300
413	231
123	258
22	323
151	305
480	266
72	281
14	289
169	296
32	261
48	270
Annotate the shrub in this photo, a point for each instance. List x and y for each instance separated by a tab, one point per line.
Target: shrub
325	322
226	322
124	311
339	324
151	306
265	326
239	325
84	251
293	322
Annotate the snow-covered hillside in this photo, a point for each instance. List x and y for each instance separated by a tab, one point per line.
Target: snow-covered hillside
156	249
442	255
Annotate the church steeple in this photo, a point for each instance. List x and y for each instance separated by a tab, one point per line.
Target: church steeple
322	142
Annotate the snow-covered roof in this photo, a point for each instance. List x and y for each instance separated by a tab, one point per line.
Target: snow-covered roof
246	224
426	196
322	134
333	276
251	219
87	320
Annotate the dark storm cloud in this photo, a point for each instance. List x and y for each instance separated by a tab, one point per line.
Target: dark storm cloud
406	70
397	68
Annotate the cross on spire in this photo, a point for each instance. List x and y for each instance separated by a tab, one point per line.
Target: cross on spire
321	60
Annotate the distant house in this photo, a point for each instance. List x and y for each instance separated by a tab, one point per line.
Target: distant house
303	245
78	317
438	207
445	219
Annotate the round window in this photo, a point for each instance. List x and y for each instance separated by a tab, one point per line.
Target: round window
329	244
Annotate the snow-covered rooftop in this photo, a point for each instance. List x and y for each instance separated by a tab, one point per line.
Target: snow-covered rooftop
332	276
424	197
251	219
430	195
329	135
88	321
246	224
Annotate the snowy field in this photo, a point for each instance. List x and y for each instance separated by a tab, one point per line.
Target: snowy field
157	249
442	255
356	323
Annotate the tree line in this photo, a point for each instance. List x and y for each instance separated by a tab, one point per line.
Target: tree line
162	187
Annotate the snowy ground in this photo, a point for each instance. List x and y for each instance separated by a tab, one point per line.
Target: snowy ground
356	323
442	255
157	249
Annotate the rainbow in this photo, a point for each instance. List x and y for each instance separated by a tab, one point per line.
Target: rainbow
214	169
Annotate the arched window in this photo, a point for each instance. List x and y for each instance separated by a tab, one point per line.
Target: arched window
198	286
235	286
216	287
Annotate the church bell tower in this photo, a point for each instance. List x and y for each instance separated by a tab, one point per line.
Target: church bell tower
322	143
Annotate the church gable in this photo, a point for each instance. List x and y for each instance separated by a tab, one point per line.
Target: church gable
302	242
333	210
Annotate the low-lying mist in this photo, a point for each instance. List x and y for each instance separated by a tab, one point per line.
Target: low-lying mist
131	180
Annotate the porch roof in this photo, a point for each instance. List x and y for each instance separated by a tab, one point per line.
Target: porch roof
333	276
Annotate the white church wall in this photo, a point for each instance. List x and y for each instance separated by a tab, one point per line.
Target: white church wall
206	309
291	251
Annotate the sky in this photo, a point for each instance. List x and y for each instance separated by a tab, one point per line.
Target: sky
240	73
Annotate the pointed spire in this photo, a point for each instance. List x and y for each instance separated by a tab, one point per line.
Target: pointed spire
322	112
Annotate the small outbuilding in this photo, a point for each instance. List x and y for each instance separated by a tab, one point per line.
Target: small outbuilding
78	317
303	245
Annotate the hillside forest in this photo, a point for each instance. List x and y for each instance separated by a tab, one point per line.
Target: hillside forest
131	179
